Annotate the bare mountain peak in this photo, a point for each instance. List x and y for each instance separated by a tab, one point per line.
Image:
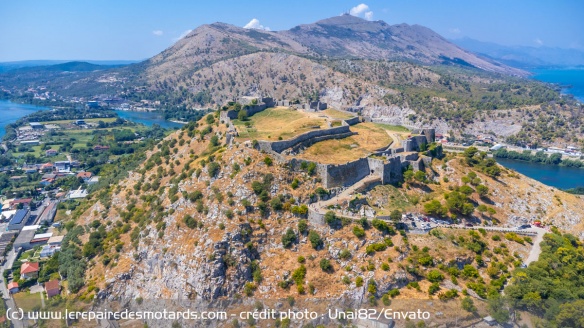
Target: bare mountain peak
343	36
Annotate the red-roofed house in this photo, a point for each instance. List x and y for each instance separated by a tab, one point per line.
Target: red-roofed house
29	270
47	167
52	288
24	201
84	175
13	287
100	147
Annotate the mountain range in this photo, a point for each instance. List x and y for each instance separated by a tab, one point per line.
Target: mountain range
398	74
339	37
524	56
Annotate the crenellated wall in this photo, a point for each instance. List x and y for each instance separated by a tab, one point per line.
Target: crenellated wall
324	134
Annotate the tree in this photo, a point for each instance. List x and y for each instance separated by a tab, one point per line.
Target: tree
469	155
468	305
571	314
408	176
482	190
213	169
435	276
289	238
457	202
498	310
470	272
214	141
420	176
276	204
466	190
395	215
434	207
242	115
330	218
315	239
268	161
491	211
358	231
302	226
326	265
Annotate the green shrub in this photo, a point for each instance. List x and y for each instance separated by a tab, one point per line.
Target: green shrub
358	231
325	265
315	239
289	238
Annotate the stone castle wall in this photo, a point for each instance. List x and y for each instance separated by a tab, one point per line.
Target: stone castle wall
343	175
325	134
351	121
250	109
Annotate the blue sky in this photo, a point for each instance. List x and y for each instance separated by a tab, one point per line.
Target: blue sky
130	29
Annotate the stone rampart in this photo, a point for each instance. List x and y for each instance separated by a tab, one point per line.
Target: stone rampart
351	121
343	175
250	109
280	146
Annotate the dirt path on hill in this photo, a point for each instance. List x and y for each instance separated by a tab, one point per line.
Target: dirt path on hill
396	139
346	194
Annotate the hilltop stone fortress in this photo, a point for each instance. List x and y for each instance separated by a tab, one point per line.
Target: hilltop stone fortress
385	164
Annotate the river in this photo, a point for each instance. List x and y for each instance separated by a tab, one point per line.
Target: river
552	175
148	118
10	112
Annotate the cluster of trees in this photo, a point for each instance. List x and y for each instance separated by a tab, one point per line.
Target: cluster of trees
551	287
538	157
475	158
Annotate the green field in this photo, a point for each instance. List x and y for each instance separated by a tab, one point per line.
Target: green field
92	120
395	128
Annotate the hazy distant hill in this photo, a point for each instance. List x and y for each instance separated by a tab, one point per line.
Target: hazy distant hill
524	57
7	66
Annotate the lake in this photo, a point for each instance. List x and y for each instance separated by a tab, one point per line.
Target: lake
148	118
10	112
552	175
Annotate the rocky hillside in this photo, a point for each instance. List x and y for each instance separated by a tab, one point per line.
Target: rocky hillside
200	220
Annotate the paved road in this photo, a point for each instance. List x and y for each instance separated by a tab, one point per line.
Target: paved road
6	296
347	195
536	249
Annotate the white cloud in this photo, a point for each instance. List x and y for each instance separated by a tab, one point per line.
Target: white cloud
455	30
185	33
362	10
359	9
255	24
157	32
538	42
